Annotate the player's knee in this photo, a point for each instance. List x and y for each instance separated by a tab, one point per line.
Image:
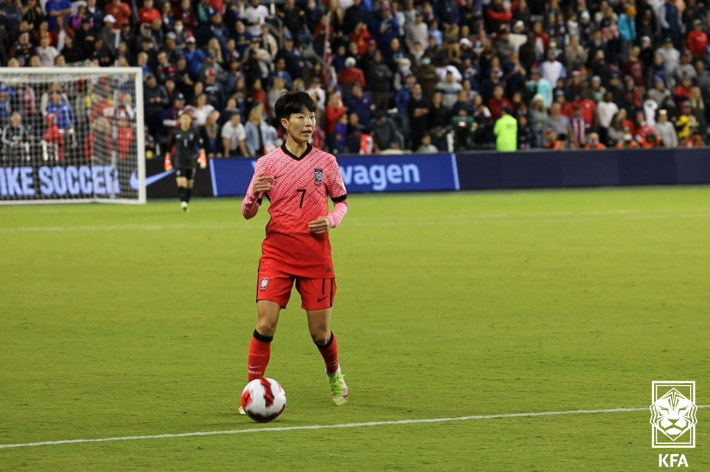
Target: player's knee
320	336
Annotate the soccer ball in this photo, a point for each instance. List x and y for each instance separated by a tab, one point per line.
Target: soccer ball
263	400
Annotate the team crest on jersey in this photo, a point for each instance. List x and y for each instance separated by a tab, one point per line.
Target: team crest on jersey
264	283
318	174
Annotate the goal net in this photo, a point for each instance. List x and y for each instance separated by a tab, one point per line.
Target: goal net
72	135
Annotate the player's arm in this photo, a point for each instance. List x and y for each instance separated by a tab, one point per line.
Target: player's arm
202	156
171	142
259	185
339	196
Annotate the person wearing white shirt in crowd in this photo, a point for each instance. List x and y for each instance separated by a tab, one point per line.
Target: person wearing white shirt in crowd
552	69
518	37
671	58
255	14
202	110
666	130
234	136
449	89
46	52
606	109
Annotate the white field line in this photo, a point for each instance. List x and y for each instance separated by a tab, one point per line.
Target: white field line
328	426
447	220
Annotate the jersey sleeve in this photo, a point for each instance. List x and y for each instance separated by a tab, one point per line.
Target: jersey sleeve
251	202
334	181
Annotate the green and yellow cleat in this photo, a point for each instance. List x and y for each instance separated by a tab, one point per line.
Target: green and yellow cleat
338	388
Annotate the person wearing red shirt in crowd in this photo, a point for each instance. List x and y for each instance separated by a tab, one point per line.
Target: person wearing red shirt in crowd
698	40
334	109
52	135
98	143
148	13
641	127
124	137
634	67
566	108
588	108
497	102
551	141
351	73
120	11
361	37
497	15
682	91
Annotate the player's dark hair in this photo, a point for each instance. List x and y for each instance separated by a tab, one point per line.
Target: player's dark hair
293	102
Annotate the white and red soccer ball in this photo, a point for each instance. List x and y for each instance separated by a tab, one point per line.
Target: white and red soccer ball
263	400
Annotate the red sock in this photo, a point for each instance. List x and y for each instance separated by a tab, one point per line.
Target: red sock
330	354
259	353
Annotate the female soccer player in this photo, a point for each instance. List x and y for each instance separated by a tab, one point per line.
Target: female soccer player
185	139
297	179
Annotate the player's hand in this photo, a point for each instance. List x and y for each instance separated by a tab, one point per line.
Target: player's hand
202	160
320	225
262	184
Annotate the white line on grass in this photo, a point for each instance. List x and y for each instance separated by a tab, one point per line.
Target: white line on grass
328	426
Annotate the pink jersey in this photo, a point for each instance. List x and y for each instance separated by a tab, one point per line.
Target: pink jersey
300	192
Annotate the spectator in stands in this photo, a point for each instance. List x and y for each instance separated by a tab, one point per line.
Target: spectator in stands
351	74
558	122
427	147
156	99
380	79
670	20
54	136
234	137
46	52
360	104
260	137
449	89
211	136
593	142
15	136
119	11
526	137
384	133
418	110
148	13
62	113
54	9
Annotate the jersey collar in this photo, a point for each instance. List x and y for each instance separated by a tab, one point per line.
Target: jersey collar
293	156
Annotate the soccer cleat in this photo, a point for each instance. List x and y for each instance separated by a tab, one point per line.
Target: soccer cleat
185	208
242	412
338	387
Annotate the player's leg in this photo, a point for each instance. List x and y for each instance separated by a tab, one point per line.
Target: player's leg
182	188
317	297
190	183
273	293
260	345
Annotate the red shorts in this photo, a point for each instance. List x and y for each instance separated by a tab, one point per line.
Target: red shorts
275	286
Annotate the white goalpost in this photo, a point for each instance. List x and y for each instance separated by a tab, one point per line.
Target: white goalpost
72	135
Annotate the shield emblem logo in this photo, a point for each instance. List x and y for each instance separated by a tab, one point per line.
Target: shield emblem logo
264	283
318	174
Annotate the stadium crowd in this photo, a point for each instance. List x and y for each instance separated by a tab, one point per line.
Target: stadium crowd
387	76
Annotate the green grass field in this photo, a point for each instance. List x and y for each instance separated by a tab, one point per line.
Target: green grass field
131	321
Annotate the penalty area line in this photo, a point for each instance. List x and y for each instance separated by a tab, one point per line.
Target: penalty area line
329	426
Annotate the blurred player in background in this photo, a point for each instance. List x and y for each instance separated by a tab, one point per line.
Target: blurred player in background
184	141
298	180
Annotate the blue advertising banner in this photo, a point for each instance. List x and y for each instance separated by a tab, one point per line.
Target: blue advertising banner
549	169
60	180
382	173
